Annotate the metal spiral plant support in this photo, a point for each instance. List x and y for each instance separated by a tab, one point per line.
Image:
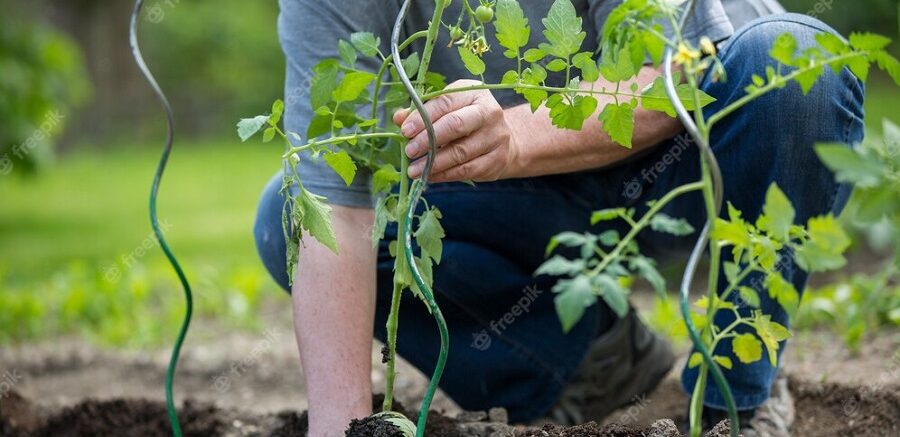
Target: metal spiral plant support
154	220
416	191
712	164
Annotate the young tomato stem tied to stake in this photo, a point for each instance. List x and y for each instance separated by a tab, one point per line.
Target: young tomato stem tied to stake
341	135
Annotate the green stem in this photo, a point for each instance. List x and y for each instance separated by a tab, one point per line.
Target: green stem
643	222
525	86
392	325
778	83
696	405
343	139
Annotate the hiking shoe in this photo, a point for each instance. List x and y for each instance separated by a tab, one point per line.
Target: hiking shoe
621	367
771	419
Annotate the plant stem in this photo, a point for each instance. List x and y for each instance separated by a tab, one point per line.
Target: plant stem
525	86
643	222
778	82
343	139
392	325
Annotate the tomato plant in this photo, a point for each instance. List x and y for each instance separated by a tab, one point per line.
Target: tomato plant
347	133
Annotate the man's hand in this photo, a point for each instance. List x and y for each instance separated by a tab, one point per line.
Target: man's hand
473	135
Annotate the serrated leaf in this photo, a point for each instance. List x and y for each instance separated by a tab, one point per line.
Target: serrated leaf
316	218
430	233
342	164
559	266
618	122
778	214
832	43
646	268
472	62
247	127
850	165
613	294
323	82
868	41
365	42
888	64
347	52
575	295
384	178
664	223
784	292
784	48
562	30
746	348
617	66
352	85
383	216
771	334
571	116
589	70
512	27
655	98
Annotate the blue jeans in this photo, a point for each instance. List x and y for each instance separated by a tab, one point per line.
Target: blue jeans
507	346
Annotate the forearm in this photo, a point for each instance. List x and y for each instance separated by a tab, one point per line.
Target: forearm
334	306
543	149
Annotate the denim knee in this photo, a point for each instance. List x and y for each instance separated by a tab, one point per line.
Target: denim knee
269	234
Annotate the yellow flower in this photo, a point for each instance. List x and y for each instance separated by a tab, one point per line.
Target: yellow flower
686	54
707	46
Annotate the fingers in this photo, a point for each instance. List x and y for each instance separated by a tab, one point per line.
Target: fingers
481	169
452	155
412	124
449	128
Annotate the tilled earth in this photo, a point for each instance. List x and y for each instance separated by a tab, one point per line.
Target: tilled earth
251	385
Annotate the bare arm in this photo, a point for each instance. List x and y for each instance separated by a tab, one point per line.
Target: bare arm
334	310
481	141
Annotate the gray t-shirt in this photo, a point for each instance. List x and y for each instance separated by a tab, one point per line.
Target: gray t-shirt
309	31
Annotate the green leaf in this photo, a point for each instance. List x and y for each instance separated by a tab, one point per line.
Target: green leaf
606	215
563	30
646	268
559	266
888	64
678	227
342	164
734	231
747	348
784	292
411	65
613	294
618	122
749	296
868	41
352	86
347	52
426	270
571	116
472	62
323	83
534	55
567	239
575	295
723	361
617	66
557	65
695	360
384	179
430	233
771	334
316	218
778	214
825	247
832	43
269	134
248	127
655	98
589	70
784	49
365	42
383	215
277	111
863	170
827	233
513	31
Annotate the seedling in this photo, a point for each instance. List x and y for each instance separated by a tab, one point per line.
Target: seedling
347	140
